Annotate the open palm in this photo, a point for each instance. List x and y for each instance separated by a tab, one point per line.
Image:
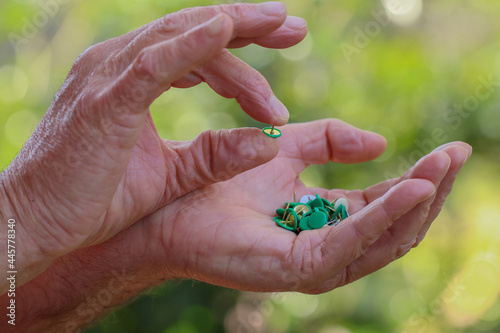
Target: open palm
224	233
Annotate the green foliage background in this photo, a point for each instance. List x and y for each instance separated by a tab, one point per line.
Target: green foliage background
401	81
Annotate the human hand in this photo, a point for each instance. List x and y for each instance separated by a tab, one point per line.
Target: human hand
96	164
224	233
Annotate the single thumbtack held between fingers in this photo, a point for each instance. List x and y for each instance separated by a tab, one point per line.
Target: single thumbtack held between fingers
271	132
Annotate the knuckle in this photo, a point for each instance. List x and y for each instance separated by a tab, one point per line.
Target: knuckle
191	17
92	55
143	63
144	66
336	123
352	141
236	10
403	249
203	151
419	239
186	11
171	23
254	81
343	140
89	53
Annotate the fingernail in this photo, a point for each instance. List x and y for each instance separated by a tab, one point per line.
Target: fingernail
216	25
272	8
465	155
469	151
295	23
279	109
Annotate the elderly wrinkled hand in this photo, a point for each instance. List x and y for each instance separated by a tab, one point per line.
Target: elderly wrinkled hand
100	196
224	233
96	163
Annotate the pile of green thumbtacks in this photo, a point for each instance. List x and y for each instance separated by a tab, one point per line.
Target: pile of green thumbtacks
313	214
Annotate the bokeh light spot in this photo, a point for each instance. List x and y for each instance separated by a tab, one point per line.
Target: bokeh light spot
13	83
299	51
403	12
476	291
301	305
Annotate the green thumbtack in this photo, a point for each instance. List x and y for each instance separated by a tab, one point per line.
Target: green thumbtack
304	223
271	132
289	220
311	212
302	209
316	203
280	212
317	219
284	224
344	213
326	203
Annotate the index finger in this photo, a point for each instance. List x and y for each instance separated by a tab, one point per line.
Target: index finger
326	140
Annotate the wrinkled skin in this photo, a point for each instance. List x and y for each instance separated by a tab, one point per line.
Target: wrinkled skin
96	164
224	233
96	169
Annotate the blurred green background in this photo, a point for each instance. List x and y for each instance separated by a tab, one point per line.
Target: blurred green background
413	71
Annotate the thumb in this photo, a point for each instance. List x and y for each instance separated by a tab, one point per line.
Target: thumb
216	156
